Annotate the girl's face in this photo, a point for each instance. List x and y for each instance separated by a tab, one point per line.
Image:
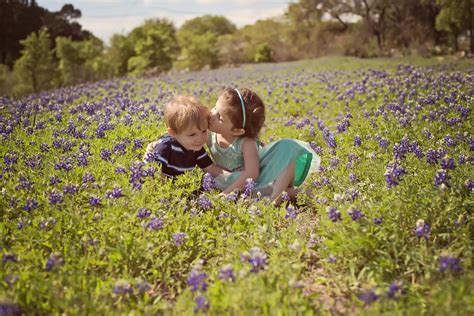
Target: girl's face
219	121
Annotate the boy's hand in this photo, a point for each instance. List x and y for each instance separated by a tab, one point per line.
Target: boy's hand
150	149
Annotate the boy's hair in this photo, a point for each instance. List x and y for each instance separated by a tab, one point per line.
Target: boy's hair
183	111
254	110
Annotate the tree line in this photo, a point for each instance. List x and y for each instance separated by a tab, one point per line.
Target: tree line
43	50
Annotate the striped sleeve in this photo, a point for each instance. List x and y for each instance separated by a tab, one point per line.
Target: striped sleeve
202	159
161	153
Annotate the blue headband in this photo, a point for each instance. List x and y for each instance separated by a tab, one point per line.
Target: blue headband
242	103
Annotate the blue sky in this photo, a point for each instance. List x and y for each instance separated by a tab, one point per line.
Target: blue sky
106	17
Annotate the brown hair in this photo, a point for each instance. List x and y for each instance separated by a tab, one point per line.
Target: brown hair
183	111
254	110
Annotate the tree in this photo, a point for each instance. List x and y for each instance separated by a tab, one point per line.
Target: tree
456	17
120	51
35	69
198	41
80	61
155	47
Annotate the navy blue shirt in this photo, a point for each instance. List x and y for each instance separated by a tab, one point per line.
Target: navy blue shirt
175	159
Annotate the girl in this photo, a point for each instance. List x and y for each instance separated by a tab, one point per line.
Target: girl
234	125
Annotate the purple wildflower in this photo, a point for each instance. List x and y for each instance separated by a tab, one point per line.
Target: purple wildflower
256	257
422	229
143	287
143	212
55	197
449	141
155	224
449	263
393	289
122	287
357	141
94	201
378	220
291	212
201	304
355	214
447	164
204	202
54	260
70	189
137	144
197	280
226	273
178	238
30	204
441	177
368	297
249	186
115	193
105	154
9	257
88	177
54	180
120	169
393	174
208	182
334	214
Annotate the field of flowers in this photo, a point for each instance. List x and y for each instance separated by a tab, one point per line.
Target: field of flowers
385	227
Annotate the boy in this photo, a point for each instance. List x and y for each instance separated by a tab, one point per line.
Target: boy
182	149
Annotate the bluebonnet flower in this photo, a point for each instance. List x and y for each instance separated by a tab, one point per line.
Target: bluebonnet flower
155	224
143	287
137	174
9	257
232	197
469	184
137	144
393	174
120	169
393	289
226	273
248	189
65	164
122	287
105	154
10	159
447	164
88	177
291	212
254	211
352	177
441	177
70	188
11	280
334	214
317	149
82	159
94	201
55	259
462	159
143	212
357	141
312	132
208	182
30	204
426	133
378	220
383	143
54	180
256	257
354	194
329	138
55	197
115	193
449	141
119	148
368	297
451	263
178	238
97	217
422	229
10	309
201	304
24	184
204	202
431	156
332	258
355	214
197	280
47	223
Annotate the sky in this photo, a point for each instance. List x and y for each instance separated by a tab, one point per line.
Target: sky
106	17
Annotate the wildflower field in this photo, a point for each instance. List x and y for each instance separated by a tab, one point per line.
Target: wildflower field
385	227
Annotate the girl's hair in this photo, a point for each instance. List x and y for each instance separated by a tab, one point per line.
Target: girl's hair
254	110
183	111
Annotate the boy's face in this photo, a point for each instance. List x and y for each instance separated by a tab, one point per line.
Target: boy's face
191	138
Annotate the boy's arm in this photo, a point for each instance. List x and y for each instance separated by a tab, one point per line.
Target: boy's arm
251	166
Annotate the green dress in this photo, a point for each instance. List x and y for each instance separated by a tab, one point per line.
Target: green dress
274	158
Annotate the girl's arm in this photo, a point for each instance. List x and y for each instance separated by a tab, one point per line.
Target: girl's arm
215	170
251	166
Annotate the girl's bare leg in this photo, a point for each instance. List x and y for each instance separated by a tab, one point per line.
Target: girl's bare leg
283	183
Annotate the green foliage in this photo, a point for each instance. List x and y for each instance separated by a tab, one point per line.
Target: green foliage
81	61
155	47
6	80
35	69
198	41
263	54
120	51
